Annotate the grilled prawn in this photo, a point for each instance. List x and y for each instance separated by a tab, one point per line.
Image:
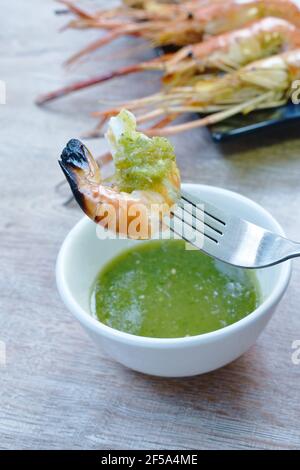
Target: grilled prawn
146	183
220	53
183	23
262	84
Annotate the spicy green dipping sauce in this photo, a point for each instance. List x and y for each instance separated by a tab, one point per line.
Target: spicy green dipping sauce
159	289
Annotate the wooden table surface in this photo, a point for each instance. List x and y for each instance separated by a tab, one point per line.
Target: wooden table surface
57	391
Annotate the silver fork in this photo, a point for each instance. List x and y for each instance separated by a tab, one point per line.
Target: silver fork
227	237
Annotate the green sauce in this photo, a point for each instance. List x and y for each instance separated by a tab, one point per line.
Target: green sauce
159	289
142	163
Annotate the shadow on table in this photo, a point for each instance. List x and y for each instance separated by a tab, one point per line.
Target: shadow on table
224	387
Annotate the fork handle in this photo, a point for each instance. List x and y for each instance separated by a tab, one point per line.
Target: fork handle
287	249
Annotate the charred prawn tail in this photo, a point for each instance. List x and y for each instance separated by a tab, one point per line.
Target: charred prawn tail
80	170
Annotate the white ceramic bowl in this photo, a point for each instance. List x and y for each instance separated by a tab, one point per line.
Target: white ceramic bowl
83	254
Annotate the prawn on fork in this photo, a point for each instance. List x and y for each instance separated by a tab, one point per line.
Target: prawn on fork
145	186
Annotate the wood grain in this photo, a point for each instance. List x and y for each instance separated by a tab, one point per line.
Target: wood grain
57	391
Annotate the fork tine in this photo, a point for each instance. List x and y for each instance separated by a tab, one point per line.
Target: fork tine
210	216
210	210
196	223
198	239
199	214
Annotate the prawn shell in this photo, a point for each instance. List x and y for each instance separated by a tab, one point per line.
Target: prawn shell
78	165
95	199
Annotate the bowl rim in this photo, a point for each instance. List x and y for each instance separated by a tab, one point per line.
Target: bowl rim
97	327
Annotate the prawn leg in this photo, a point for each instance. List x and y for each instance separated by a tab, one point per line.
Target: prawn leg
155	64
262	84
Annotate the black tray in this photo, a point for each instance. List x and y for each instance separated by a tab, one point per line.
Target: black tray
242	125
